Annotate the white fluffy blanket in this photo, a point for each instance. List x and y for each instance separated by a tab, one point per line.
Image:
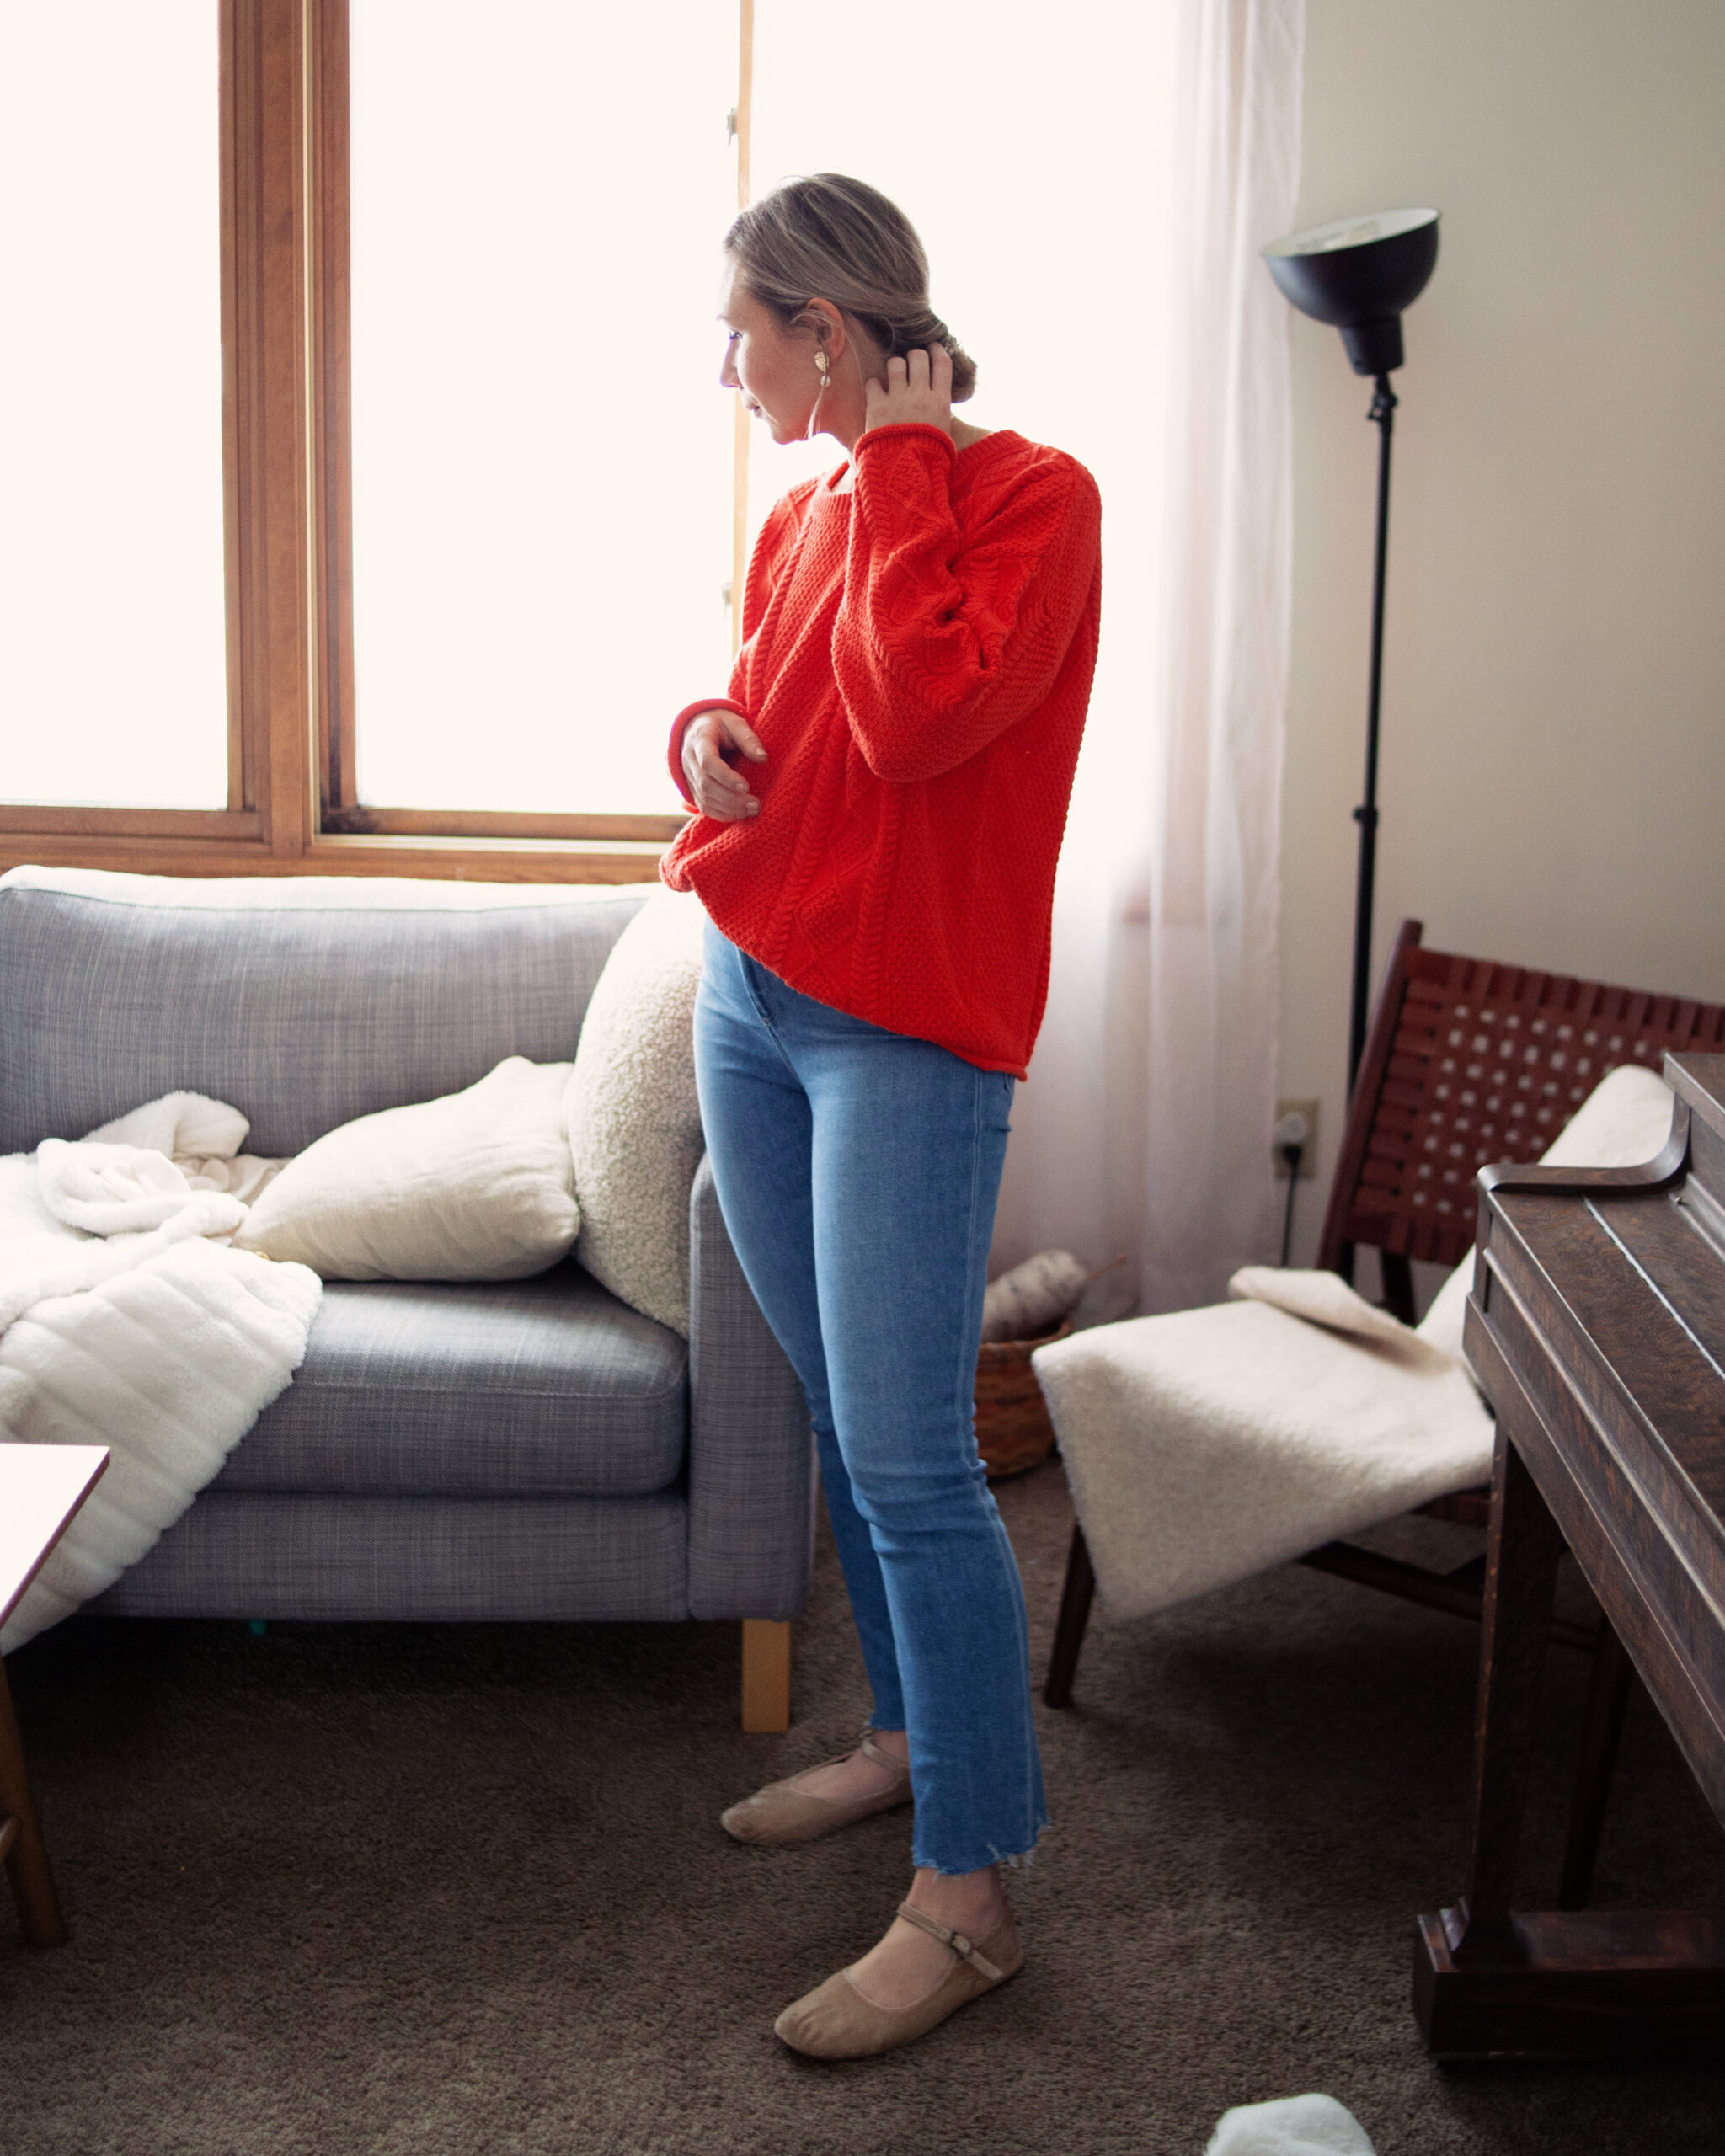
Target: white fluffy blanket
126	1320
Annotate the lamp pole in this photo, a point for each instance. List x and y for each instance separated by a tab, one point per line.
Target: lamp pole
1357	274
1383	415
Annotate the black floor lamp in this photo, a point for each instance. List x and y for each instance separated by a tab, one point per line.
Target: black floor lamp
1358	274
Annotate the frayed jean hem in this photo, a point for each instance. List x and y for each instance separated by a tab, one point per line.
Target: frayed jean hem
1021	1859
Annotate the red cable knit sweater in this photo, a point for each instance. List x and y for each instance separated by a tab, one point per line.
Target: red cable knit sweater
916	660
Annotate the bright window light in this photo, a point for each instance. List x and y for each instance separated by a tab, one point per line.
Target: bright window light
113	612
542	452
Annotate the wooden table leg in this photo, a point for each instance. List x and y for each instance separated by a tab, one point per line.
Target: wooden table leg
1607	1698
1493	1982
1521	1579
26	1857
1521	1582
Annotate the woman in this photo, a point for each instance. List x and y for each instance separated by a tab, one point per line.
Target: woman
879	803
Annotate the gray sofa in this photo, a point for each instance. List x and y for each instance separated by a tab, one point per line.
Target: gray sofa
532	1449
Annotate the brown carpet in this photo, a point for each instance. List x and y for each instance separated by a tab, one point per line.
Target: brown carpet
460	1888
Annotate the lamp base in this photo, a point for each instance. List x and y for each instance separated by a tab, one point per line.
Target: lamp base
1375	347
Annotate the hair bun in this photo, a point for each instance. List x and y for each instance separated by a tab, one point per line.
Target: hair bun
836	237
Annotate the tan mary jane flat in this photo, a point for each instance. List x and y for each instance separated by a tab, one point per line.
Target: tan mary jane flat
782	1814
834	2021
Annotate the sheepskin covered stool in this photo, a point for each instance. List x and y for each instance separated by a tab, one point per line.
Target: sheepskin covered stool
1206	1445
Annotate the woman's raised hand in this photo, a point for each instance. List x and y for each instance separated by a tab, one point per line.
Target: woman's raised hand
918	387
716	790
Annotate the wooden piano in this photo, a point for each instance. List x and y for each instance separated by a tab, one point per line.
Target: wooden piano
1596	1328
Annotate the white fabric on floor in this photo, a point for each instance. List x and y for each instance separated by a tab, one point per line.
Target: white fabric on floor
126	1320
1292	2126
1207	1445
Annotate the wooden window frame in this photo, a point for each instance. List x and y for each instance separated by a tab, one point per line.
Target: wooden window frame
292	805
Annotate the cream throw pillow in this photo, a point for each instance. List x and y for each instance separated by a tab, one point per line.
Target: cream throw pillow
476	1186
634	1120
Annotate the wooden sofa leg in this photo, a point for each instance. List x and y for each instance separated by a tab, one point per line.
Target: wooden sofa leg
766	1676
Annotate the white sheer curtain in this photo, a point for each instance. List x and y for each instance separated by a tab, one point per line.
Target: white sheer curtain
1143	1129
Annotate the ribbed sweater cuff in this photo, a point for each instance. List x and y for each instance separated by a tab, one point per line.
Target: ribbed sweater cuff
677	725
907	427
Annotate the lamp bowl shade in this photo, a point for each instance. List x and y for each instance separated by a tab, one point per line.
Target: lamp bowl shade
1357	274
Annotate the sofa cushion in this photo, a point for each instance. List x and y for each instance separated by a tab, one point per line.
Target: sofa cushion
304	1000
547	1387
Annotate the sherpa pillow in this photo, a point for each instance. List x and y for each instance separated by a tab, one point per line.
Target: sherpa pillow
634	1120
476	1186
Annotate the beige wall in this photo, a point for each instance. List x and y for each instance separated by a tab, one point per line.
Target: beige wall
1553	779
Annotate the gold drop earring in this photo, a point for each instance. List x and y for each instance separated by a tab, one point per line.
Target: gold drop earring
808	431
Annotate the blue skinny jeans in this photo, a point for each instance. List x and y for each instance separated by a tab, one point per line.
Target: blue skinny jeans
858	1171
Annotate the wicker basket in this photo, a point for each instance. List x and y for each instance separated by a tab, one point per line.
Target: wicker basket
1014	1432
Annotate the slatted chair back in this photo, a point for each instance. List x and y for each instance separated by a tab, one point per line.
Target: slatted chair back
1469	1062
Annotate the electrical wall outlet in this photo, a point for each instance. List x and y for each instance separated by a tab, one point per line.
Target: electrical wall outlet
1308	1159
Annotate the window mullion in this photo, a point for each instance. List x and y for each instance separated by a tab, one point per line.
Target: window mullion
328	286
269	414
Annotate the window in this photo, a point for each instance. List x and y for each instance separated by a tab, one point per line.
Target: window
303	571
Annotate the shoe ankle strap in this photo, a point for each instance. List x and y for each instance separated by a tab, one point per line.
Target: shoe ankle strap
964	1948
871	1750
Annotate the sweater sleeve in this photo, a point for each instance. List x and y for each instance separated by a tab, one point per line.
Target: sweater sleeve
757	590
947	637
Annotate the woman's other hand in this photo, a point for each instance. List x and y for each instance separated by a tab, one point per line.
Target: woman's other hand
715	788
919	388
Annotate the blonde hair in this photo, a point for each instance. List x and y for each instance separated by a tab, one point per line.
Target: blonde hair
828	236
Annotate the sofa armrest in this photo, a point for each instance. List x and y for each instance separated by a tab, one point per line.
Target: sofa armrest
752	1480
